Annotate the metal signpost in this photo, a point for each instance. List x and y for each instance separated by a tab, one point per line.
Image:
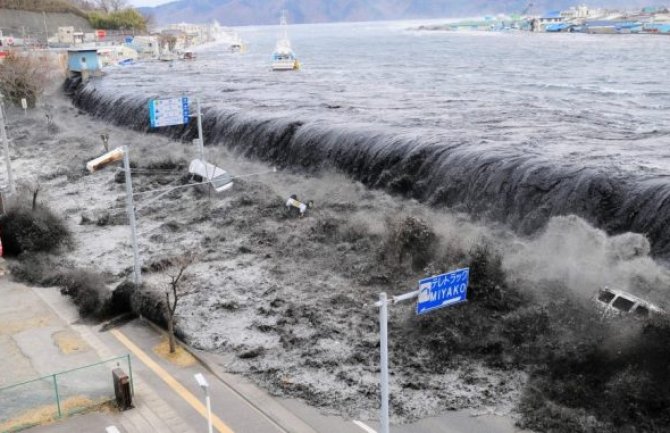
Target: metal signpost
168	112
201	142
176	111
435	292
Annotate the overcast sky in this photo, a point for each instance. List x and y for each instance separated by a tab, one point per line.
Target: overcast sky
147	2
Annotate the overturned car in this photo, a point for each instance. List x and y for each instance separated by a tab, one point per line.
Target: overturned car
613	303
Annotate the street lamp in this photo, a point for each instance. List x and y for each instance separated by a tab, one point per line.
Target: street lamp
104	160
205	387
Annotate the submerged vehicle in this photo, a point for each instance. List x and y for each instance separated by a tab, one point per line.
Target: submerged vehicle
210	174
615	303
283	57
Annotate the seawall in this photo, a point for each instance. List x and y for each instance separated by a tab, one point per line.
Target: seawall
522	192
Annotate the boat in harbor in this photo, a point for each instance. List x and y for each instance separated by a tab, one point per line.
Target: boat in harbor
283	57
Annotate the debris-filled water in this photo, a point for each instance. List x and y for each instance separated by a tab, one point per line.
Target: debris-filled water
514	128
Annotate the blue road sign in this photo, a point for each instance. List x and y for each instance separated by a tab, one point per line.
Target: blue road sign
443	290
166	112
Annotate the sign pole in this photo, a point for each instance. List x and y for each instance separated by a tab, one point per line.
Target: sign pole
384	362
201	143
130	204
5	141
435	292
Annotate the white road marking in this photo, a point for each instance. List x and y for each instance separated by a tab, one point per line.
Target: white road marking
364	426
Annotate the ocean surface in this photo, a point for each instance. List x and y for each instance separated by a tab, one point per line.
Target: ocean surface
516	127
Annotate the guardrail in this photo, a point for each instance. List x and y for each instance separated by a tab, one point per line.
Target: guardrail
45	399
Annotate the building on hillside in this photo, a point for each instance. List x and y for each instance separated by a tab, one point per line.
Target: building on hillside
146	46
66	35
579	13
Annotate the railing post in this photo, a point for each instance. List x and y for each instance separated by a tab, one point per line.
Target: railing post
130	373
60	414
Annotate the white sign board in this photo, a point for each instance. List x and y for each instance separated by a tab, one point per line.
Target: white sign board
167	112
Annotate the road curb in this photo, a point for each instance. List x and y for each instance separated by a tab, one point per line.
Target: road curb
257	398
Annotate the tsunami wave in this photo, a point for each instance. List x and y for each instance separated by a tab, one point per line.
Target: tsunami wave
521	190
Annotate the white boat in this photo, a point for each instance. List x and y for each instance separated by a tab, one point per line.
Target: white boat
283	58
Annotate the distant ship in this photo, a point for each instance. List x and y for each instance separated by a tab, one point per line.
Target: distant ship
283	58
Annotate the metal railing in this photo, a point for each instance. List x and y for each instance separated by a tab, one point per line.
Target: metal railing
47	398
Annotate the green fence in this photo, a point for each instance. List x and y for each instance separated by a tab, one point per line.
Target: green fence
44	399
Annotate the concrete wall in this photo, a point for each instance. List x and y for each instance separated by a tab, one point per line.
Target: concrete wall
12	22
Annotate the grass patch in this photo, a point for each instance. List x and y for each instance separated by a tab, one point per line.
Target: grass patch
48	414
68	342
180	357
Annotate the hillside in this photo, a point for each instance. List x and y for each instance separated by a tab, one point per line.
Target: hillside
60	6
251	12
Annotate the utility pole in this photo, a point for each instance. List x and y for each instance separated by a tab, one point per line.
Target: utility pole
130	205
5	141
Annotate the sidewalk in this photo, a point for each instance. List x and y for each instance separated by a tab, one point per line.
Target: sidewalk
38	338
167	397
40	333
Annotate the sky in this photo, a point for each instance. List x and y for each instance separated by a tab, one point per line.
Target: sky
138	3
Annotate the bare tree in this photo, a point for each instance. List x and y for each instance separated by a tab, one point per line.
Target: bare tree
173	293
35	190
85	5
111	5
23	77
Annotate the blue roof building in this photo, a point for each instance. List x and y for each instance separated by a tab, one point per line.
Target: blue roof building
551	15
83	60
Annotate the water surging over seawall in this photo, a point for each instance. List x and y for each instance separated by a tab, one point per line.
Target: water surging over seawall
523	191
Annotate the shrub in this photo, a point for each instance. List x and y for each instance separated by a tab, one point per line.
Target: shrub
123	19
120	301
488	283
409	238
87	290
32	269
32	230
23	77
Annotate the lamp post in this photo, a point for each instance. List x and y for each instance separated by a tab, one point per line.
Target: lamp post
205	387
100	162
